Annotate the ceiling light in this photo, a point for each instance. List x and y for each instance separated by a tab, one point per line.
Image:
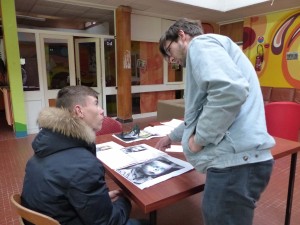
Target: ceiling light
220	5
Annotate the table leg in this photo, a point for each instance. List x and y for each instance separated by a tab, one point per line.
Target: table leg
290	189
153	218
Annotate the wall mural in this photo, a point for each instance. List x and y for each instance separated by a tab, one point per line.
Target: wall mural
272	43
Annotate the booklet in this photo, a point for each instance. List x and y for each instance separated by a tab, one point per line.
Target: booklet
116	156
131	137
141	164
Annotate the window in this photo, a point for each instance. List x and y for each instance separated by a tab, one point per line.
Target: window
147	63
110	62
29	68
175	73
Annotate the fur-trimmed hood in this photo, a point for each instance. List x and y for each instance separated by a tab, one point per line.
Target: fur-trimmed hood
60	130
61	121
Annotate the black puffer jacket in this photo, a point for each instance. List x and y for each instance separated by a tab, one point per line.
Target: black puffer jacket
64	179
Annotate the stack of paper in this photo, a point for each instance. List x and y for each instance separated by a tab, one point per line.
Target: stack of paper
142	164
164	129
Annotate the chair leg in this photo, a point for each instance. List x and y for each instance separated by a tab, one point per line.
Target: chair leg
290	189
21	221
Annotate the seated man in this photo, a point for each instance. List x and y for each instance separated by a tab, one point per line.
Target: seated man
64	179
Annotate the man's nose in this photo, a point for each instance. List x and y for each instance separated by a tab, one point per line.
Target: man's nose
101	111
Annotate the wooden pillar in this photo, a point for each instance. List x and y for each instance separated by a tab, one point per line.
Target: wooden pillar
123	33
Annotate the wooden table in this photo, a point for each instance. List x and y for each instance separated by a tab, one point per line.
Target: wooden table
160	195
170	191
285	148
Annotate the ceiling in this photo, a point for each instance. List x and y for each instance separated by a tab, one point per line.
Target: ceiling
74	13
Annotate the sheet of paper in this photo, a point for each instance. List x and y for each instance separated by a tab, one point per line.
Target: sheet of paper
107	146
116	156
175	148
173	123
159	130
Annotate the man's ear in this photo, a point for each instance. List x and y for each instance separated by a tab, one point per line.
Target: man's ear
78	111
181	34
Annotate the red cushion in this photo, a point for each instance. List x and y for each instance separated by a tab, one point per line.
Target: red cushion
283	119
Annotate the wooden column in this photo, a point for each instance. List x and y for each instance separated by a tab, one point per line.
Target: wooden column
123	33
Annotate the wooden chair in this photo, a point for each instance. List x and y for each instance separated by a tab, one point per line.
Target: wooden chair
29	215
110	126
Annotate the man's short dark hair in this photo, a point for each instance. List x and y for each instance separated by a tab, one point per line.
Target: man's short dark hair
69	96
190	27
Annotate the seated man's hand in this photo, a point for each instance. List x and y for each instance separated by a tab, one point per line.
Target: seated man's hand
114	195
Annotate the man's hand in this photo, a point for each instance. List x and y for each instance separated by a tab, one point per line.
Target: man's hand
193	146
164	143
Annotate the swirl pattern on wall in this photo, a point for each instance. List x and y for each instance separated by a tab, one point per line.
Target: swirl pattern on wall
278	40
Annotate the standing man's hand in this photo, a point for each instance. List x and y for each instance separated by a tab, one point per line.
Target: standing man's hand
164	143
193	146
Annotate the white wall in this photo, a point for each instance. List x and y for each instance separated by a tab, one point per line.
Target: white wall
145	28
33	105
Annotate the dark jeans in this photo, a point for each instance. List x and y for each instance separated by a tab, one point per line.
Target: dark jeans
230	194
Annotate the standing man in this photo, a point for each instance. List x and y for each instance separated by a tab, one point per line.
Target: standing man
224	132
64	179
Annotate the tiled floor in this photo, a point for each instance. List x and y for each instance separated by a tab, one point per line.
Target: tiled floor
270	211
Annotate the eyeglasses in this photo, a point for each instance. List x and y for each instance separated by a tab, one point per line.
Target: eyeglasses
168	48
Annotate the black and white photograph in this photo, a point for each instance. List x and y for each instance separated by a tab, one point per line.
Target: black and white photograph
103	148
141	164
143	172
136	148
154	171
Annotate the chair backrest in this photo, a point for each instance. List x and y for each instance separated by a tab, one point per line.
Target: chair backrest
283	119
110	126
30	215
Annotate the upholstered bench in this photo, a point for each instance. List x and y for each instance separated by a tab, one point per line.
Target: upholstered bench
174	108
277	94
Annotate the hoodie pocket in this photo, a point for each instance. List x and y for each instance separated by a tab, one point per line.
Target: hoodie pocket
226	145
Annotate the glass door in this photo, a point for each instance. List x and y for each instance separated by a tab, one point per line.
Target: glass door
57	64
88	64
